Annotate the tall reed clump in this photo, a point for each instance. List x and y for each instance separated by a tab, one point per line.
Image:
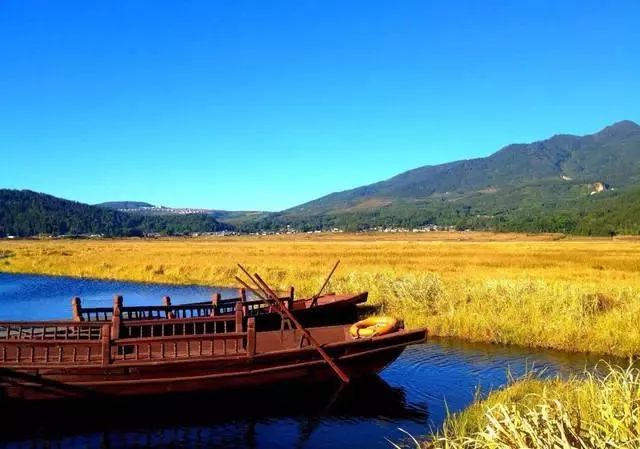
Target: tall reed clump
596	411
539	313
552	314
413	297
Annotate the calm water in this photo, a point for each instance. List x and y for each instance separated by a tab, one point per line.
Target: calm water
412	393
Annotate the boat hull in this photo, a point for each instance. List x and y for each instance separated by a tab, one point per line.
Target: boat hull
267	367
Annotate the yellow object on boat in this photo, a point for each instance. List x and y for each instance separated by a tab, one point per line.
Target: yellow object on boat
377	325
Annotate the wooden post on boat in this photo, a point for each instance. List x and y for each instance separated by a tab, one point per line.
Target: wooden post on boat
290	300
280	306
116	317
314	302
243	300
105	335
251	336
166	301
239	316
76	308
215	303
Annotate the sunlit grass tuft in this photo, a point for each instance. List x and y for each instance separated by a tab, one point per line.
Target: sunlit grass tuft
594	411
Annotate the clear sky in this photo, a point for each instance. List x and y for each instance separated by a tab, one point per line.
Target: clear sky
268	104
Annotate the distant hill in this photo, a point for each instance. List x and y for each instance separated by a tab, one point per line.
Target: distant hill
141	208
541	186
124	205
239	217
229	217
26	213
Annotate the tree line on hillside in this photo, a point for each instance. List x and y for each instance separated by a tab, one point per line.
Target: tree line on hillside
25	213
610	214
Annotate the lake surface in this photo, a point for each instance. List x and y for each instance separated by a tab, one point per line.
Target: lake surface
413	393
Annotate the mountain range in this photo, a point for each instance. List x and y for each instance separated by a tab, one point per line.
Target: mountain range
576	184
541	186
605	155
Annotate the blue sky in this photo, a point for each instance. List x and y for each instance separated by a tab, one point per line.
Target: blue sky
265	105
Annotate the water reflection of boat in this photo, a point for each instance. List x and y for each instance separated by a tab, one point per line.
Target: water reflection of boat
208	418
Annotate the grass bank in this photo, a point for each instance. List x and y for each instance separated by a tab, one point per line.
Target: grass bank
574	295
596	411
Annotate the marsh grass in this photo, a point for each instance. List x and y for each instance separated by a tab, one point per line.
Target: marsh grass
592	411
531	291
5	254
566	316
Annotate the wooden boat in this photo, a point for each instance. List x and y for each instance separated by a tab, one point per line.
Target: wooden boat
322	310
81	359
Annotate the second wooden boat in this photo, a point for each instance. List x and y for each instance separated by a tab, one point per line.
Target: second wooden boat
328	309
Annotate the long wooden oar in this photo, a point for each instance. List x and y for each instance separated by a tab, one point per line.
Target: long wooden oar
265	294
336	369
245	285
244	270
265	299
326	281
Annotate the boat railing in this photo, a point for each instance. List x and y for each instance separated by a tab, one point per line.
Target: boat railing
184	346
158	312
170	338
71	343
217	306
162	312
49	330
93	313
53	342
170	327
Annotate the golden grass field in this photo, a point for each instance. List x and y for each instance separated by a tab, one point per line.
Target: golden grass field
540	290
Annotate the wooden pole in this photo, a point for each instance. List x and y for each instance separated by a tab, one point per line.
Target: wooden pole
116	317
117	303
315	298
276	300
166	301
291	298
251	289
215	303
239	316
106	344
264	293
251	336
76	308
